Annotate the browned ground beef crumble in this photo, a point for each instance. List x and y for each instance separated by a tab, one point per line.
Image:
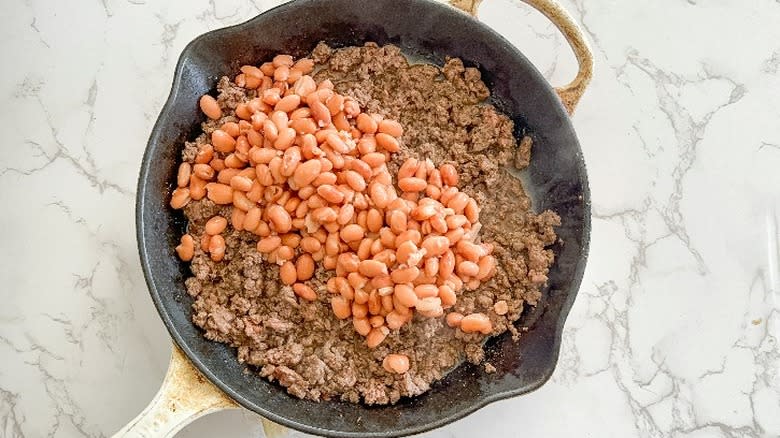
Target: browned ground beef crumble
241	301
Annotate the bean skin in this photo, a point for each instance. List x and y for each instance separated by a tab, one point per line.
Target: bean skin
290	161
218	164
438	224
476	322
435	245
300	113
305	65
210	107
390	127
304	291
486	267
396	363
449	175
341	307
183	176
180	198
374	302
471	211
467	268
362	326
310	244
338	145
411	235
426	291
335	104
304	267
241	201
186	248
372	268
205	154
446	264
324	215
237	219
346	213
252	218
241	183
219	193
377	321
378	194
270	130
412	184
285	139
387	142
280	218
281	60
355	180
306	172
329	262
287	273
376	336
447	296
454	319
428	304
320	113
469	251
350	261
447	194
374	220
217	248
405	250
431	266
405	295
352	233
329	192
423	212
405	275
291	239
263	155
215	225
456	221
394	320
222	141
288	103
359	310
243	111
458	202
387	237
433	192
434	178
453	236
304	86
281	73
366	123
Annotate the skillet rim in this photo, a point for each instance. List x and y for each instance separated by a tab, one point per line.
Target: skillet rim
483	399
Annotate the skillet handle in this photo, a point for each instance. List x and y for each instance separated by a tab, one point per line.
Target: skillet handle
185	396
571	93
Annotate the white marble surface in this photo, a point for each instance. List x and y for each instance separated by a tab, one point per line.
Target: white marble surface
674	333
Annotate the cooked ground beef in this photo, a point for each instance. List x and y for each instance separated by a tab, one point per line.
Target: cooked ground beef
303	346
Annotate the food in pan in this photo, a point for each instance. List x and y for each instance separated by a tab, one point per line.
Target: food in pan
353	226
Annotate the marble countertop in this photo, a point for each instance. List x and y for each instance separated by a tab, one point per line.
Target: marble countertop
675	330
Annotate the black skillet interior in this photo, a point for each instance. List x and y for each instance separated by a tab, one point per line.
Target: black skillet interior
556	180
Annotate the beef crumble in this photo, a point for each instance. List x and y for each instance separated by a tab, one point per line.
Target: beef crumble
241	301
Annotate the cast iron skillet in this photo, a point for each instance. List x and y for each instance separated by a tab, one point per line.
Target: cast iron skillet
556	180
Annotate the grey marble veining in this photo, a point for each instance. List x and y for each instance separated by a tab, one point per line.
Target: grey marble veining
674	333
